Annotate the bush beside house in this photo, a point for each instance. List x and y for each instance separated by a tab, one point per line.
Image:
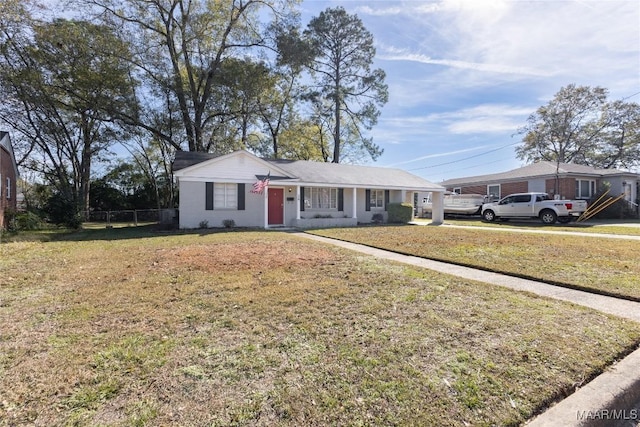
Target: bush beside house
400	213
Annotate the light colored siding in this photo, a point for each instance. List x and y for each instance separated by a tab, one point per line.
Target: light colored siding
193	212
232	169
290	204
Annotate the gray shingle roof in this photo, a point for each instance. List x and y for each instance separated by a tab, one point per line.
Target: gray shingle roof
535	170
184	159
351	175
320	173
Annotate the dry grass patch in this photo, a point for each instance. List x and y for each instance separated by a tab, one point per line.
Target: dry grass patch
610	266
261	328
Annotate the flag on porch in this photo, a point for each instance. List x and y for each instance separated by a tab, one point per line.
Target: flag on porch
261	184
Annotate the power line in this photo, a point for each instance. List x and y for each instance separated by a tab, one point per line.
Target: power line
431	177
630	96
490	151
466	158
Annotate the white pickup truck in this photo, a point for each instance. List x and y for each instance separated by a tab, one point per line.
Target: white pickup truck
534	205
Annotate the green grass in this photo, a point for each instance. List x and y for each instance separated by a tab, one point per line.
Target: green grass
131	327
608	266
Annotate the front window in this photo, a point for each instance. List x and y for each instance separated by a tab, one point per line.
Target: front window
585	189
321	198
493	191
8	188
225	195
377	199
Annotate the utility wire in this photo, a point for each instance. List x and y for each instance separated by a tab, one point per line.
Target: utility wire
466	158
490	151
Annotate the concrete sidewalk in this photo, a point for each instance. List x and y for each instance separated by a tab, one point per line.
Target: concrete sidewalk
540	231
612	399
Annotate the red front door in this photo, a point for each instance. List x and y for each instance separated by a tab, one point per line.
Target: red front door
276	206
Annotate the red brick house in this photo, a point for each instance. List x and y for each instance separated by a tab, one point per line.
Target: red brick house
8	177
568	181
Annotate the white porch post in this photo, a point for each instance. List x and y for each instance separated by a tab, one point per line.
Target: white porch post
354	204
437	212
298	202
265	200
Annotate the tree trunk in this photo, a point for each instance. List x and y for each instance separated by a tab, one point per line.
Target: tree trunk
337	100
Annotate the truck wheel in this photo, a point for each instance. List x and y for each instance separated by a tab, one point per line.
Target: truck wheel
489	215
564	219
548	217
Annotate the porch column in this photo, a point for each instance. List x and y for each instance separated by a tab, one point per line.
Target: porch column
354	204
298	202
265	206
437	212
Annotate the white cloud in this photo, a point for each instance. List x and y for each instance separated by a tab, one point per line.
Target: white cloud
467	73
577	41
437	155
487	118
480	119
397	55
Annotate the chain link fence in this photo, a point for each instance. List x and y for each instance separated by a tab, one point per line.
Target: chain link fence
133	217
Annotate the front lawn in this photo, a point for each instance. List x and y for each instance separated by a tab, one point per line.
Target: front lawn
264	328
609	266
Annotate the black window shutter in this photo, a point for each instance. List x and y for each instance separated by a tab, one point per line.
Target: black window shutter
340	199
301	198
208	196
386	199
241	196
367	201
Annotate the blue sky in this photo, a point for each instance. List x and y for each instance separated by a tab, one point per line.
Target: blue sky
464	75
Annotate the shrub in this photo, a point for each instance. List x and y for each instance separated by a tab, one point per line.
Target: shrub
62	209
26	221
400	212
203	224
377	218
618	210
228	223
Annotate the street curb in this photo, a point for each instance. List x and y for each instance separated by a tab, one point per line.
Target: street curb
606	401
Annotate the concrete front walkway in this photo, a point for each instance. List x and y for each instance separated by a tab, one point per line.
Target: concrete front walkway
617	389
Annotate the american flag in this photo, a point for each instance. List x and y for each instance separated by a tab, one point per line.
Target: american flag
261	184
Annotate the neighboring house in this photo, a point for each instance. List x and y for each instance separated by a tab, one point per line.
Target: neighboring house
299	193
8	178
566	180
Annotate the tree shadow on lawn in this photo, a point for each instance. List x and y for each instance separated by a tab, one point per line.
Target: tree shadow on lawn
110	233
